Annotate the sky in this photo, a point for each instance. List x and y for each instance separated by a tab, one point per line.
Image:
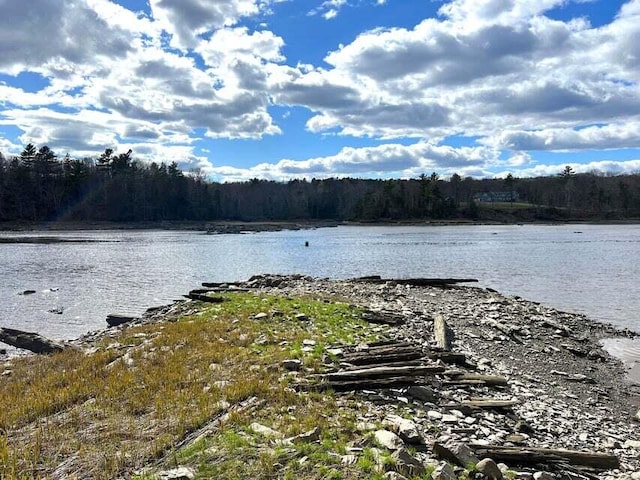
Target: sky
286	89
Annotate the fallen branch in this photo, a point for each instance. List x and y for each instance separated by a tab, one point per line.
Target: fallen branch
530	456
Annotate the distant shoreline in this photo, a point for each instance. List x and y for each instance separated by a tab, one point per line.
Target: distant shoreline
222	227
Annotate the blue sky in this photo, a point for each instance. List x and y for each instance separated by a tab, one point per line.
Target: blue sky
283	89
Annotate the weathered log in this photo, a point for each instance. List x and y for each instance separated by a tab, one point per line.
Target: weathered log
382	372
383	318
442	333
205	298
225	285
383	354
114	319
476	379
531	456
452	358
414	363
33	342
364	384
363	359
416	282
488	403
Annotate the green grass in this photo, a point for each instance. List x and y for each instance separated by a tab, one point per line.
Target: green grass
114	411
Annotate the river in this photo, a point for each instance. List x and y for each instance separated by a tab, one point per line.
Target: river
591	269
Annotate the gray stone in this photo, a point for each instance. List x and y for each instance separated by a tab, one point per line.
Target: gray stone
457	453
180	473
444	472
301	317
543	476
264	430
407	465
260	316
406	429
422	393
394	476
292	365
388	440
489	469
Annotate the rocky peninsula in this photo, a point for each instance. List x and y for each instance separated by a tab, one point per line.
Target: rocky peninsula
296	377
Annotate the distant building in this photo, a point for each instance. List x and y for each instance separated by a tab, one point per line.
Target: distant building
493	197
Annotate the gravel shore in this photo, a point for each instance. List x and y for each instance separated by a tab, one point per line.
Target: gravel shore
571	393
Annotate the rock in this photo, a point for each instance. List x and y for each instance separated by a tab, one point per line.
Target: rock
422	393
449	418
388	440
632	444
515	438
406	429
433	415
407	465
444	471
458	454
260	316
308	343
489	469
307	437
292	365
114	319
394	476
578	377
301	317
180	473
29	341
57	310
637	417
264	430
543	476
27	292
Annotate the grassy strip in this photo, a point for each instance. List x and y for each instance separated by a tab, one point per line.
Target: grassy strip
113	411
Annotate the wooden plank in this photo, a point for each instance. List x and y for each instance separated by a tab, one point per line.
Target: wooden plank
476	377
416	282
382	372
531	455
442	333
205	298
488	403
363	384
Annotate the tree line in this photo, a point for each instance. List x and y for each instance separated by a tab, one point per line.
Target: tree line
38	186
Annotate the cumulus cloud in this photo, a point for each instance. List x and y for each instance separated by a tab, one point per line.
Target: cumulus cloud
382	160
36	32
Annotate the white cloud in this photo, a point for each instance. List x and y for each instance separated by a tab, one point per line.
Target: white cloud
385	160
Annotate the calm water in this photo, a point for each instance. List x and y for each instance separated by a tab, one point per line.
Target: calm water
592	269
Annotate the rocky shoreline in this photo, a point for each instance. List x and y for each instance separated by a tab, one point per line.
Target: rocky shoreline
561	390
572	394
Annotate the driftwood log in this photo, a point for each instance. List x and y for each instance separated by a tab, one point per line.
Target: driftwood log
442	333
532	456
33	342
204	298
416	282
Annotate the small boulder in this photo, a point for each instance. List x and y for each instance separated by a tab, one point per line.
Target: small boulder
406	429
457	453
394	476
292	365
422	393
180	473
388	440
543	476
444	471
264	430
489	469
407	465
260	316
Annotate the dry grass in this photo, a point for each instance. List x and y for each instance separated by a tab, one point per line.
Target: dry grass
112	412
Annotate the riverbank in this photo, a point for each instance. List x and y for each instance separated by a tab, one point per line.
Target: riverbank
272	226
233	389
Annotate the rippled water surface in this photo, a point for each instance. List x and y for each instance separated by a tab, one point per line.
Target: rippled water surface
592	269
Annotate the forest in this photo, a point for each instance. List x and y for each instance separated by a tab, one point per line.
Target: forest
37	186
